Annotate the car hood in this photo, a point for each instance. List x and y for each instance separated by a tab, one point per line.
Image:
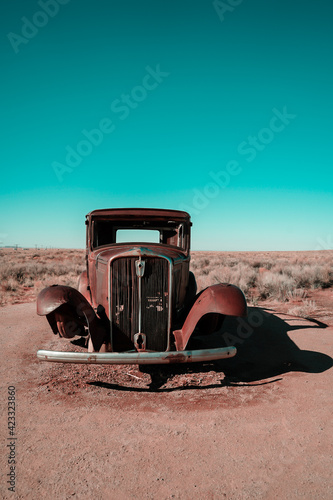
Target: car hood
136	249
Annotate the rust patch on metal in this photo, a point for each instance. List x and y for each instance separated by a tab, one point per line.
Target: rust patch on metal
177	358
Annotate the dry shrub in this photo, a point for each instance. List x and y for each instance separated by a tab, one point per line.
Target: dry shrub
277	286
240	274
263	264
310	275
10	285
297	294
306	310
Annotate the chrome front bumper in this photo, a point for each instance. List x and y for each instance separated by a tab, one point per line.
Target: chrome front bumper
141	358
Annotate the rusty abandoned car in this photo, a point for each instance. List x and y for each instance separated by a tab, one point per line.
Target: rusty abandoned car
137	301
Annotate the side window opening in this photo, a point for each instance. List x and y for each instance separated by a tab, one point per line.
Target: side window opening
103	233
181	236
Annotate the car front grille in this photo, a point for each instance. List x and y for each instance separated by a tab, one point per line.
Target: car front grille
125	303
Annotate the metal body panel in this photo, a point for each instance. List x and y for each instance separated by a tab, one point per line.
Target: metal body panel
223	299
142	358
52	297
83	286
104	254
69	313
160	214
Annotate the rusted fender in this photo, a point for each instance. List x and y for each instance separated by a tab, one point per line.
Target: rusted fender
68	312
52	297
223	298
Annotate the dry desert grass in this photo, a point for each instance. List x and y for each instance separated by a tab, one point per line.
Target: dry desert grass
286	277
25	272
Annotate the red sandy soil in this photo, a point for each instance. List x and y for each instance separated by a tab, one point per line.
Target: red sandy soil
257	426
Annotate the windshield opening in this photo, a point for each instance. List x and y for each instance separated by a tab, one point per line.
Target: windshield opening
139	235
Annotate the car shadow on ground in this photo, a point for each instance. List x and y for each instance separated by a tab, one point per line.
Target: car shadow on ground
264	350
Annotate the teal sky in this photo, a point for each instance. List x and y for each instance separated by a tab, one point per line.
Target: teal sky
225	112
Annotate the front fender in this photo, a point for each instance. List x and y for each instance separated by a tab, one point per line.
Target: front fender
68	313
223	299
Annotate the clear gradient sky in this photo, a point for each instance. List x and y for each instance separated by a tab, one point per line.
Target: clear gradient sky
220	109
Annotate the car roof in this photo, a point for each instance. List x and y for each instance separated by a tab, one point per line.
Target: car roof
139	213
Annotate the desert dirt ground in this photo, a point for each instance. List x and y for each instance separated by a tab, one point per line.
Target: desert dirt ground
255	426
